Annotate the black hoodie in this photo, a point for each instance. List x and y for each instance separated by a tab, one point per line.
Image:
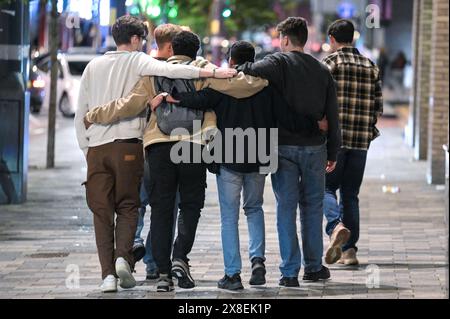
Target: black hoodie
266	110
308	88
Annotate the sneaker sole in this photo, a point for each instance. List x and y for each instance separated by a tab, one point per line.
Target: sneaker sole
261	272
109	290
333	254
316	279
233	288
351	263
127	280
334	251
165	290
285	286
184	281
297	288
257	283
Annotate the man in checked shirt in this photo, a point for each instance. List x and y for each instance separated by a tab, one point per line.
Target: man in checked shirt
360	105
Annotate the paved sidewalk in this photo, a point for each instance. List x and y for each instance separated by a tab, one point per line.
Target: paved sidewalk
403	247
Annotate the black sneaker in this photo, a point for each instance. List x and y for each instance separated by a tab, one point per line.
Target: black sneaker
165	283
289	282
152	275
322	274
231	283
138	252
180	270
258	272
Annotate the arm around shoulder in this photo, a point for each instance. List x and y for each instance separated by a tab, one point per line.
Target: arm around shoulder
241	86
126	107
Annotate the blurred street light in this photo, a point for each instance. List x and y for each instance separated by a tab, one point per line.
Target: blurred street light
215	27
226	13
173	12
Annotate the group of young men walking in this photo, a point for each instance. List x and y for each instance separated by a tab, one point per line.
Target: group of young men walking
324	116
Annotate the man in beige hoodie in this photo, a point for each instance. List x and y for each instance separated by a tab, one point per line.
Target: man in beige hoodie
114	151
167	176
163	35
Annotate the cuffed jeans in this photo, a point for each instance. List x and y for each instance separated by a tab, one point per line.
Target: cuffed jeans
144	202
300	182
229	185
347	177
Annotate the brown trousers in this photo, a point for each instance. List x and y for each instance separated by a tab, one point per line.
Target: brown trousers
113	182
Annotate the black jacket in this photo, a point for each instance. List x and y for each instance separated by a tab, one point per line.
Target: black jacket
308	88
265	110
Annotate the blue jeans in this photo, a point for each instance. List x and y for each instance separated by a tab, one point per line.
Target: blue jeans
347	177
300	182
229	185
142	210
148	258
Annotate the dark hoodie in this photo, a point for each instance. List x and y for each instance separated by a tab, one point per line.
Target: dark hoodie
266	110
309	89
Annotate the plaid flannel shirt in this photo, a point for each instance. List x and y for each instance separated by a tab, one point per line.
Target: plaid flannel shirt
360	96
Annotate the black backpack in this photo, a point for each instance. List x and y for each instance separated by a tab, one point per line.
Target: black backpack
171	116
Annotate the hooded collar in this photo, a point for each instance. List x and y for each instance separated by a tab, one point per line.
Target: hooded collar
178	59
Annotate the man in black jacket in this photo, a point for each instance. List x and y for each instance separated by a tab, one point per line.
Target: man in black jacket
308	87
251	119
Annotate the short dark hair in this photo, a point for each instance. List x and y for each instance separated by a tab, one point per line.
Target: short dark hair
126	27
342	30
186	43
242	51
296	28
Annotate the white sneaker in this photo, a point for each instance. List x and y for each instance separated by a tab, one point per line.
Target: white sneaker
109	284
123	270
